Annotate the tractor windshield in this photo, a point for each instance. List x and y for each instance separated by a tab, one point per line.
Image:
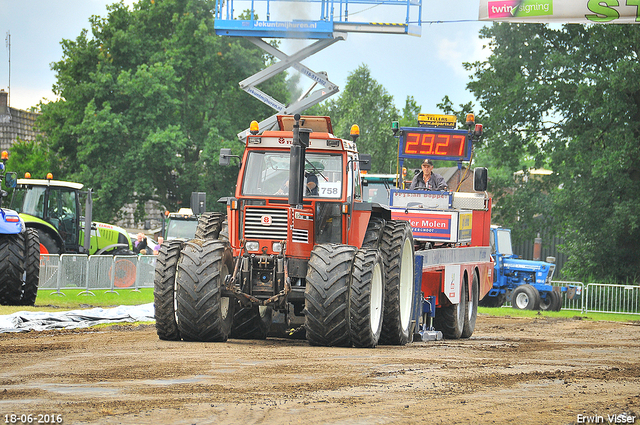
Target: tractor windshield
267	174
504	242
29	201
181	229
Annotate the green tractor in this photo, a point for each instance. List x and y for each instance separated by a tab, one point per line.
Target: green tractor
52	207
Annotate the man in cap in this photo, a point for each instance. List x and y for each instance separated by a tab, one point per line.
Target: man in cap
427	179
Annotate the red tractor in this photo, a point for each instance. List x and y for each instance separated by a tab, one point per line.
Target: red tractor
298	239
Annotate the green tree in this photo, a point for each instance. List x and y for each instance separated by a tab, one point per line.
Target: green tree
367	103
33	157
147	102
568	99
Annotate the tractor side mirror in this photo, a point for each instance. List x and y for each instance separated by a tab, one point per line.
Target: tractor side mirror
365	162
11	180
480	179
225	155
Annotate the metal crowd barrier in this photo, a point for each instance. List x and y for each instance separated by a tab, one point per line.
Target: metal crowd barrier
598	297
96	272
606	298
110	273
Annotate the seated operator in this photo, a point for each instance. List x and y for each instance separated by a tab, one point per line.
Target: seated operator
310	190
427	179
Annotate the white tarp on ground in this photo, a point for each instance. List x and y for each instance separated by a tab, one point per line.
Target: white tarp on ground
41	321
560	11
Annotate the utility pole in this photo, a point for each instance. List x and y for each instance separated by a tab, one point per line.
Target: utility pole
8	41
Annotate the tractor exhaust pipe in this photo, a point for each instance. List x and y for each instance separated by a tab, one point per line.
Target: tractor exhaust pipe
296	165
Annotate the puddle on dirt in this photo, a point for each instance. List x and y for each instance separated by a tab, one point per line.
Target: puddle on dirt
79	388
196	378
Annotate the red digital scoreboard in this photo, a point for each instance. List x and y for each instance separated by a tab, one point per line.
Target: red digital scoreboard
445	144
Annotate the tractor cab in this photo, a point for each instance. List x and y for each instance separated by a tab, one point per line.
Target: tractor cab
51	204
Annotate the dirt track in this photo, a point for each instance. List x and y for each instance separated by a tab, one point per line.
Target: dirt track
520	371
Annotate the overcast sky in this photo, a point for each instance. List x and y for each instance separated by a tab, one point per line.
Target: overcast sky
426	67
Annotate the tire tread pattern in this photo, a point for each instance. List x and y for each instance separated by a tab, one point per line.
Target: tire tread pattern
12	264
32	267
327	295
164	290
209	225
394	234
199	279
362	335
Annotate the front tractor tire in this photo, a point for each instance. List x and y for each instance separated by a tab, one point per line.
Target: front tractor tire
525	297
327	295
203	313
366	298
396	245
164	299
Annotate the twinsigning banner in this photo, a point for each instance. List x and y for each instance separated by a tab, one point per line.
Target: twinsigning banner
561	11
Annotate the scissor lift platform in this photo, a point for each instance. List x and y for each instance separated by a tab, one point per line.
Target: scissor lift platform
332	26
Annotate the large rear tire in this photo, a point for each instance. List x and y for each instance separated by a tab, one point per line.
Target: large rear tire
366	298
471	308
525	297
164	291
203	313
496	301
251	322
48	244
396	246
12	263
327	295
32	267
209	225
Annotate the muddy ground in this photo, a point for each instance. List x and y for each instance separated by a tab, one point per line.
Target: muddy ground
512	370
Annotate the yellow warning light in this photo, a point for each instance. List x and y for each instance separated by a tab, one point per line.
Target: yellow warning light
471	120
5	155
355	130
27	175
254	127
49	176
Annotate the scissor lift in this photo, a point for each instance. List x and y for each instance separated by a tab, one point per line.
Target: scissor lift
332	26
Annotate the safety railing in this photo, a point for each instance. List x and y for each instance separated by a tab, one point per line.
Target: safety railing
606	298
598	297
96	272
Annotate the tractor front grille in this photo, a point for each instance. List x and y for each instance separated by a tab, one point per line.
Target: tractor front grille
255	227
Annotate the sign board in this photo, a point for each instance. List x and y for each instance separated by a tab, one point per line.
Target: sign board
436	226
435	120
421	199
440	144
560	11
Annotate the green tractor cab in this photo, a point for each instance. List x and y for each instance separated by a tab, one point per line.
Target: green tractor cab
52	207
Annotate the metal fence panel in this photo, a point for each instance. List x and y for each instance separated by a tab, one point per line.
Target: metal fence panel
124	271
99	276
607	298
71	271
49	271
146	271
